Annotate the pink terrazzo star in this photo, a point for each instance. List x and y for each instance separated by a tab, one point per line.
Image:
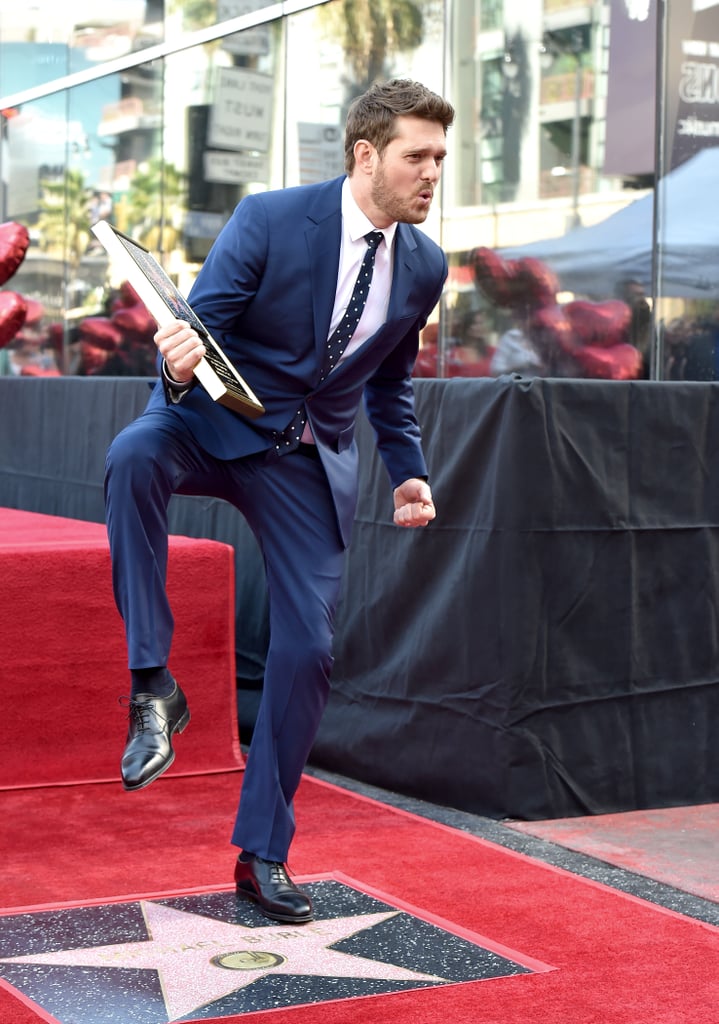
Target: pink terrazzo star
199	959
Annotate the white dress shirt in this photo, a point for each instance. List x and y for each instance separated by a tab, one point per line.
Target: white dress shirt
355	225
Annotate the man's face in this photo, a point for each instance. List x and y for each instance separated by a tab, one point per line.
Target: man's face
405	176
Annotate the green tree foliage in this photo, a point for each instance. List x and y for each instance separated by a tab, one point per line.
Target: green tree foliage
372	31
64	222
195	13
154	204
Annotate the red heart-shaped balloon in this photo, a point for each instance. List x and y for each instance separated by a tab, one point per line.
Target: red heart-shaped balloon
14	242
101	333
618	362
126	296
55	336
35	312
93	357
13	311
526	283
535	285
135	318
550	326
494	276
599	323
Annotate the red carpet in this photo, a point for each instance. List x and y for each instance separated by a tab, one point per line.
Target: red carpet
614	958
64	658
554	948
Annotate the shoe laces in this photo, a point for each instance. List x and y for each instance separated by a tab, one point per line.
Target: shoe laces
278	873
139	712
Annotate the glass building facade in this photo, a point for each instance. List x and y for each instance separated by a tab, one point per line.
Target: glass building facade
576	204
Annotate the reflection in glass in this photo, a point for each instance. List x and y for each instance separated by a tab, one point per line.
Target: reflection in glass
551	165
45	40
536	185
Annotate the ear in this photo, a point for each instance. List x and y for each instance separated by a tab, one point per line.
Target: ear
365	156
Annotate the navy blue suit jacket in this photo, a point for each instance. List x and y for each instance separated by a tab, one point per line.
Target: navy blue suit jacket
266	294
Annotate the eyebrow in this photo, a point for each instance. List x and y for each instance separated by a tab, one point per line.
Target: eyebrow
425	151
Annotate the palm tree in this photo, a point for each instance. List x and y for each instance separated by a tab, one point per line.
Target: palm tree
155	196
195	13
64	222
371	31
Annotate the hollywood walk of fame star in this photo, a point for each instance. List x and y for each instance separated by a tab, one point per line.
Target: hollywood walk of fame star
200	959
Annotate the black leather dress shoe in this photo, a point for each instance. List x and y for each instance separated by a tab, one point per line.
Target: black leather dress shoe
268	884
153	723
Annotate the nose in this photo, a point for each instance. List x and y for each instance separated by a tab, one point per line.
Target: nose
431	170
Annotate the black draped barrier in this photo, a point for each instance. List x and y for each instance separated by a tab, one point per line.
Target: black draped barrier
547	647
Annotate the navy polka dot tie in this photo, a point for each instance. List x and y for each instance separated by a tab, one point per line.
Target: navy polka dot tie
338	340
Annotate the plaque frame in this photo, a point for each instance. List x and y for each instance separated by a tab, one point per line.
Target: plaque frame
218	376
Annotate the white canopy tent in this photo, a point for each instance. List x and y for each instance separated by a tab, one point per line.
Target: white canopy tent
593	260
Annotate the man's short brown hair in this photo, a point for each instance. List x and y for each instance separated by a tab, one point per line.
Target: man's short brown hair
373	115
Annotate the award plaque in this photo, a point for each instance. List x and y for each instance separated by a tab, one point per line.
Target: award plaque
217	375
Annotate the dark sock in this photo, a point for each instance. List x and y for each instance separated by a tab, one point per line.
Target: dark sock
156	681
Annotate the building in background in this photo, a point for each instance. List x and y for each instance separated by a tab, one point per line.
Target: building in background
563	211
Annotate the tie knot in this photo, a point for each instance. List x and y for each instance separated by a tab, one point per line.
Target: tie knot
373	238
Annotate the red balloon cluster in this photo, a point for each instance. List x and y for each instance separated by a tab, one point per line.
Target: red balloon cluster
125	336
513	284
455	364
100	332
590	337
14	242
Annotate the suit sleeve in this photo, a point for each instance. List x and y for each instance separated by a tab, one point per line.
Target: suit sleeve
389	399
230	276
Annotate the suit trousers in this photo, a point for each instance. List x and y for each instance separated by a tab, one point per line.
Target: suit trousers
287	503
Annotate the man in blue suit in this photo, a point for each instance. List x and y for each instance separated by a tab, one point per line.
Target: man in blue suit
277	283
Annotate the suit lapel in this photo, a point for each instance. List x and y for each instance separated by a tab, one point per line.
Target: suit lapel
403	277
323	233
405	267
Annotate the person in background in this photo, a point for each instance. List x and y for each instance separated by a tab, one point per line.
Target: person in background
29	354
278	293
474	349
100	207
632	292
516	352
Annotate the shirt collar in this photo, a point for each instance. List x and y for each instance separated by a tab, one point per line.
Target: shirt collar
356	223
